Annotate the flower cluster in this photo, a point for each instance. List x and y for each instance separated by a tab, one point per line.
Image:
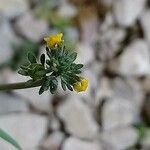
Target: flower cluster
59	65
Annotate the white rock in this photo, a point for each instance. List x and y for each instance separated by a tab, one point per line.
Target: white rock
40	102
78	118
129	90
109	46
136	59
89	23
117	113
145	22
72	34
4	74
11	103
127	11
119	139
7	38
107	23
76	144
67	11
103	90
53	142
54	124
27	129
13	8
85	53
31	27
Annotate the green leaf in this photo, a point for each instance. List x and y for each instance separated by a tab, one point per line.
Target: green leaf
41	91
42	59
78	66
69	87
73	57
23	72
31	58
70	78
53	85
63	85
45	86
9	139
24	67
77	71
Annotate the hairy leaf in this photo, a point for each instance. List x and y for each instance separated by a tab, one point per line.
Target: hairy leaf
63	85
31	58
23	72
42	59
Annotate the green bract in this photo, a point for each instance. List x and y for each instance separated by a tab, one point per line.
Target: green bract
59	66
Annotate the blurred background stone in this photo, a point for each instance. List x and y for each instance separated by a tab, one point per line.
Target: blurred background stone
11	103
78	118
73	144
32	28
13	8
120	138
136	59
25	128
126	11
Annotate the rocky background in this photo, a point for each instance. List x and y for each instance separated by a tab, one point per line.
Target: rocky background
112	38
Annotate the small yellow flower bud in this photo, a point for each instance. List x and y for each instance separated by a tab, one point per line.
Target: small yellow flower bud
81	85
53	40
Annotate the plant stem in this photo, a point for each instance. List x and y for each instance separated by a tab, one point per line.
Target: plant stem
20	85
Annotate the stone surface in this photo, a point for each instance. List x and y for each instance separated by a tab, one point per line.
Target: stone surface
53	142
145	22
78	118
85	53
72	34
103	90
76	144
117	113
54	124
124	103
109	46
4	74
7	38
67	11
24	128
31	27
107	23
13	8
119	139
39	102
11	103
127	11
88	22
129	90
135	59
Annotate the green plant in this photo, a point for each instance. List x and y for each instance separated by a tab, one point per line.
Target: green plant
59	65
9	139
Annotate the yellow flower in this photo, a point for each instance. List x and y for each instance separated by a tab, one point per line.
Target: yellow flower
54	39
81	85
